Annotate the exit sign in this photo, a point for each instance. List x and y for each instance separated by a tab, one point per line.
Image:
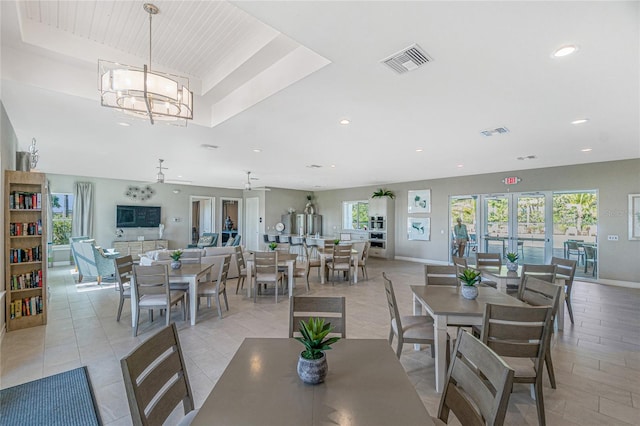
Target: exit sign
511	180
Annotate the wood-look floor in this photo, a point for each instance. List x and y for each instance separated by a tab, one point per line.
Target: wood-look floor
597	360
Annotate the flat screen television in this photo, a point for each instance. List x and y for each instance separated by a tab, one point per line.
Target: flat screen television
137	217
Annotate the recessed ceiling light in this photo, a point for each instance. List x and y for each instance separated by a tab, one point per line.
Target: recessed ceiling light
565	50
179	176
586	149
460	166
580	121
419	150
333	166
208	146
257	150
124	124
344	122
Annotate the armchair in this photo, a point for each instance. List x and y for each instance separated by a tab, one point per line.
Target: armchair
208	239
91	261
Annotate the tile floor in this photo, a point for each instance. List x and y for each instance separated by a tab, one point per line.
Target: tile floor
597	360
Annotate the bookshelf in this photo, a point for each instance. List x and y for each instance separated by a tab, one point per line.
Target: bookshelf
25	245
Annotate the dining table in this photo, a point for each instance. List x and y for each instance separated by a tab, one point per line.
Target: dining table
503	277
190	273
447	307
365	385
285	260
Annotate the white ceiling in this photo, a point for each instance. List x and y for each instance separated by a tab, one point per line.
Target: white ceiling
278	76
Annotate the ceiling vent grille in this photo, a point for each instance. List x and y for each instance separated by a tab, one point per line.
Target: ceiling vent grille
407	59
496	131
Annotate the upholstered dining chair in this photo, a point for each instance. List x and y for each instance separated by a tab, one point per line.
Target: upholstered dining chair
217	288
538	292
590	258
152	292
544	272
156	380
441	275
478	384
331	309
362	262
520	335
567	268
242	268
266	271
124	271
341	261
488	259
409	328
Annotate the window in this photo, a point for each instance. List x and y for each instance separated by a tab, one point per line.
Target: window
355	215
62	208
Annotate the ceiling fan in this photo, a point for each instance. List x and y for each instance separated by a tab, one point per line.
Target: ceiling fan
160	176
248	187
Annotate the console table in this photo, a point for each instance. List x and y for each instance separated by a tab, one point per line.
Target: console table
135	248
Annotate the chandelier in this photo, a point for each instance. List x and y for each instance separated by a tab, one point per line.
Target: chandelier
145	93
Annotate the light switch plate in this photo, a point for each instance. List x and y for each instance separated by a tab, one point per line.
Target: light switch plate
612	237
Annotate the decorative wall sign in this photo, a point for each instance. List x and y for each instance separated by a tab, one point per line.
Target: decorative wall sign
419	228
634	216
137	193
419	201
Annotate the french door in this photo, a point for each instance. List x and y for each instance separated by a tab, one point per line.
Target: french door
519	223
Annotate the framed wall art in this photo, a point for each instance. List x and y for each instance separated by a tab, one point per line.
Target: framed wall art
419	228
419	201
634	216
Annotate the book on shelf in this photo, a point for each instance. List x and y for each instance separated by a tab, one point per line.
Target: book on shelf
25	255
25	307
25	200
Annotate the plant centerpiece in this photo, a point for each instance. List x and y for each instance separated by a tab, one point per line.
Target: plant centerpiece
312	363
272	246
336	241
512	261
176	263
469	277
381	193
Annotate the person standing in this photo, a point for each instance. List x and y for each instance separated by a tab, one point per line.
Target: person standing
461	236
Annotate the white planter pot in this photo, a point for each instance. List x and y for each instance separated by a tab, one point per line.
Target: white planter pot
469	291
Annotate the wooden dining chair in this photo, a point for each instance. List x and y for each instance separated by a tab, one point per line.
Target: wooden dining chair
216	288
478	384
331	309
488	260
266	271
341	261
156	380
567	268
543	272
311	254
538	292
441	275
459	261
124	271
362	262
416	329
242	268
152	292
520	335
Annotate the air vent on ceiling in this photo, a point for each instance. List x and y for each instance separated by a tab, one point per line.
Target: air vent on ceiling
496	131
407	59
313	166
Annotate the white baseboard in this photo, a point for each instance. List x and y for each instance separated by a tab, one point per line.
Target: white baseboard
616	283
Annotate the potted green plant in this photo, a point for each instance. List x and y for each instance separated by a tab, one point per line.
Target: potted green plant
176	263
272	246
381	192
512	261
336	241
469	278
312	363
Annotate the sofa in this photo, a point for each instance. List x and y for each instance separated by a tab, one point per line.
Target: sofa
211	255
